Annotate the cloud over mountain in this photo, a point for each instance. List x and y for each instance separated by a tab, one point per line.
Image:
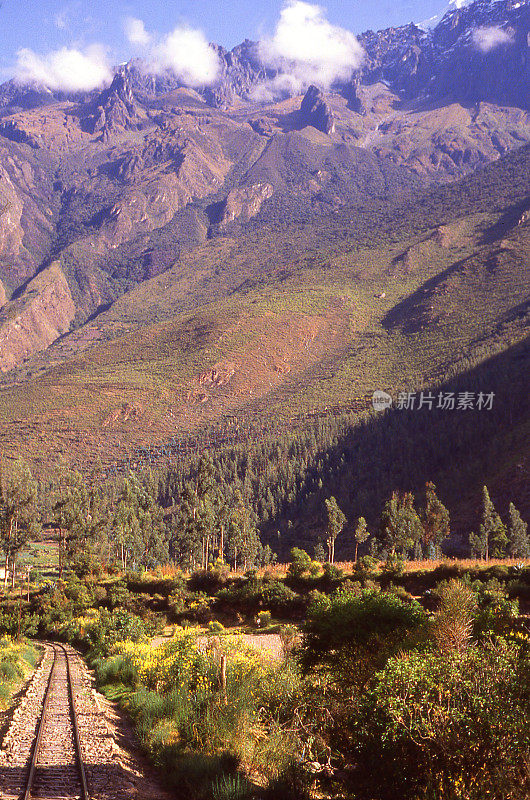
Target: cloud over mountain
135	31
307	48
489	38
185	52
67	69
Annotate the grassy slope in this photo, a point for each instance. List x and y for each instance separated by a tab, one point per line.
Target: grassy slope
291	318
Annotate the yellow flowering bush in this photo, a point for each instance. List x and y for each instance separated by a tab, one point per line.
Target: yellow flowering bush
16	661
181	703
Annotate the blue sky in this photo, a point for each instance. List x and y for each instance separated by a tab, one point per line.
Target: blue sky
53	24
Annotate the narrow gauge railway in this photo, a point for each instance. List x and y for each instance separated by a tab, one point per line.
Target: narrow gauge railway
46	758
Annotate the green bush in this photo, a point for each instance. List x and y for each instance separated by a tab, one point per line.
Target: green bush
331	572
231	787
279	597
364	566
184	717
264	619
300	563
209	580
16	661
352	635
445	726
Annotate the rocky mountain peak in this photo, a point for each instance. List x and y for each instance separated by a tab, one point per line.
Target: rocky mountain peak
116	107
316	112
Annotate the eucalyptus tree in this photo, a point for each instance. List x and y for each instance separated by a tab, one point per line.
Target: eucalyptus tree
18	512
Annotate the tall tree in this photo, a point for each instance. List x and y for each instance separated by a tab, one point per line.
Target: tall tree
491	538
70	512
139	527
361	534
518	538
242	537
400	526
336	522
17	512
435	520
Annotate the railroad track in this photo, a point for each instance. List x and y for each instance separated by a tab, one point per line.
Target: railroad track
44	751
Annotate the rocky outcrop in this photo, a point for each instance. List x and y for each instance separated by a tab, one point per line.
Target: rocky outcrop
171	172
3	298
11	209
13	131
352	94
316	112
263	125
244	203
38	318
116	108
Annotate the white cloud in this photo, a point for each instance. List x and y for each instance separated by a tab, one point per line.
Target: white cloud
185	52
67	69
487	39
308	49
135	31
188	55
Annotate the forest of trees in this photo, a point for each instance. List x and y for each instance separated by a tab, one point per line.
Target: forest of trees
336	486
140	521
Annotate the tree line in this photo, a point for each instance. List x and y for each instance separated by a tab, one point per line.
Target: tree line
126	523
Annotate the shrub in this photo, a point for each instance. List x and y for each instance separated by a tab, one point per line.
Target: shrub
332	573
454	621
264	619
279	597
352	635
231	787
290	638
446	725
16	661
185	717
300	563
364	566
393	567
209	580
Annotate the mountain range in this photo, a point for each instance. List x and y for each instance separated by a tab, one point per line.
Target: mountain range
170	255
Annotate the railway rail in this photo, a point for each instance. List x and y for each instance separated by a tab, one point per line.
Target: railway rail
44	750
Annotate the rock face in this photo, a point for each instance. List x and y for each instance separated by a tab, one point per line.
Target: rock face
38	318
316	112
244	203
116	108
116	184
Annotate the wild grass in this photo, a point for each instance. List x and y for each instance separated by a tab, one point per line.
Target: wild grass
198	726
17	660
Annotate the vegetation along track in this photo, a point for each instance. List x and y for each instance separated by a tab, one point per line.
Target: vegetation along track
58	745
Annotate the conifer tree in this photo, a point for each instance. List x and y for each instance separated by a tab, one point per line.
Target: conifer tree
518	538
491	538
